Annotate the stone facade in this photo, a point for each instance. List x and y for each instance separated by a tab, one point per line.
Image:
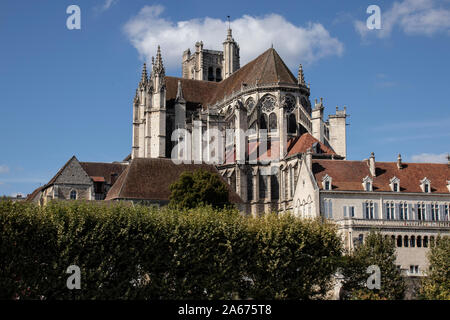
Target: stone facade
412	218
79	181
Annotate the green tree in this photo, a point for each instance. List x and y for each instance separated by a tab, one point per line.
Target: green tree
436	285
198	188
376	250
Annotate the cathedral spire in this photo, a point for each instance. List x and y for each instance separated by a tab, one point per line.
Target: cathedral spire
158	67
179	97
301	77
144	76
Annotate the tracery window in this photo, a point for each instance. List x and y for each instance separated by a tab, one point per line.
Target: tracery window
288	103
304	103
249	104
268	104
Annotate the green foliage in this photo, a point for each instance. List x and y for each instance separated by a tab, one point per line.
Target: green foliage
379	251
436	285
197	188
139	252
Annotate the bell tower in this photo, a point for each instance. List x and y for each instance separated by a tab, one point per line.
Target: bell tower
230	54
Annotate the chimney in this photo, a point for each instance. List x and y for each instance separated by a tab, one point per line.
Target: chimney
399	162
308	159
448	159
372	164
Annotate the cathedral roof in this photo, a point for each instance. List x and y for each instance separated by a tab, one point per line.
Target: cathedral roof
149	179
304	142
348	175
268	68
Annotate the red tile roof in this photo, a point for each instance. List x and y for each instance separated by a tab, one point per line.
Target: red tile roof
304	142
348	175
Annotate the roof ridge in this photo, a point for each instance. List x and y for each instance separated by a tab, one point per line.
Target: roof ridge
53	180
284	65
124	179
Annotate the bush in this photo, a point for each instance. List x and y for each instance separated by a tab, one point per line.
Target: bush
129	252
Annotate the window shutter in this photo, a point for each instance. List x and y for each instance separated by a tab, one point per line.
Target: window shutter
375	208
410	212
364	205
325	209
345	211
330	210
416	211
397	211
428	214
441	212
384	214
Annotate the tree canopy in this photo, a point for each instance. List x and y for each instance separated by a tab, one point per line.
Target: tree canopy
197	188
436	285
379	251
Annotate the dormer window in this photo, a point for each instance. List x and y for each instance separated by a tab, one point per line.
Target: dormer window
367	184
326	182
395	184
448	185
425	185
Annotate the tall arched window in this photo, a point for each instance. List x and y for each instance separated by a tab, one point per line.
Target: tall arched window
272	122
399	241
419	241
263	122
274	187
73	195
210	74
249	186
292	124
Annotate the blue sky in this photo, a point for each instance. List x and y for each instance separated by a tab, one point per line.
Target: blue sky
69	92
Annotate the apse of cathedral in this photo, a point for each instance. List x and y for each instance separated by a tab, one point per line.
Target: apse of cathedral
259	115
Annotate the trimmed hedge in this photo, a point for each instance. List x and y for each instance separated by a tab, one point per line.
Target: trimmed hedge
127	252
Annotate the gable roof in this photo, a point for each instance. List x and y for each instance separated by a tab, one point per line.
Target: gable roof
349	175
53	180
149	179
267	68
32	196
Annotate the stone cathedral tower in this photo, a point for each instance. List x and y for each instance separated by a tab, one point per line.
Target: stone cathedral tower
149	113
211	65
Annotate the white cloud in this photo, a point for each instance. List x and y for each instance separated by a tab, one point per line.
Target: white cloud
4	169
254	35
421	17
106	5
430	158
